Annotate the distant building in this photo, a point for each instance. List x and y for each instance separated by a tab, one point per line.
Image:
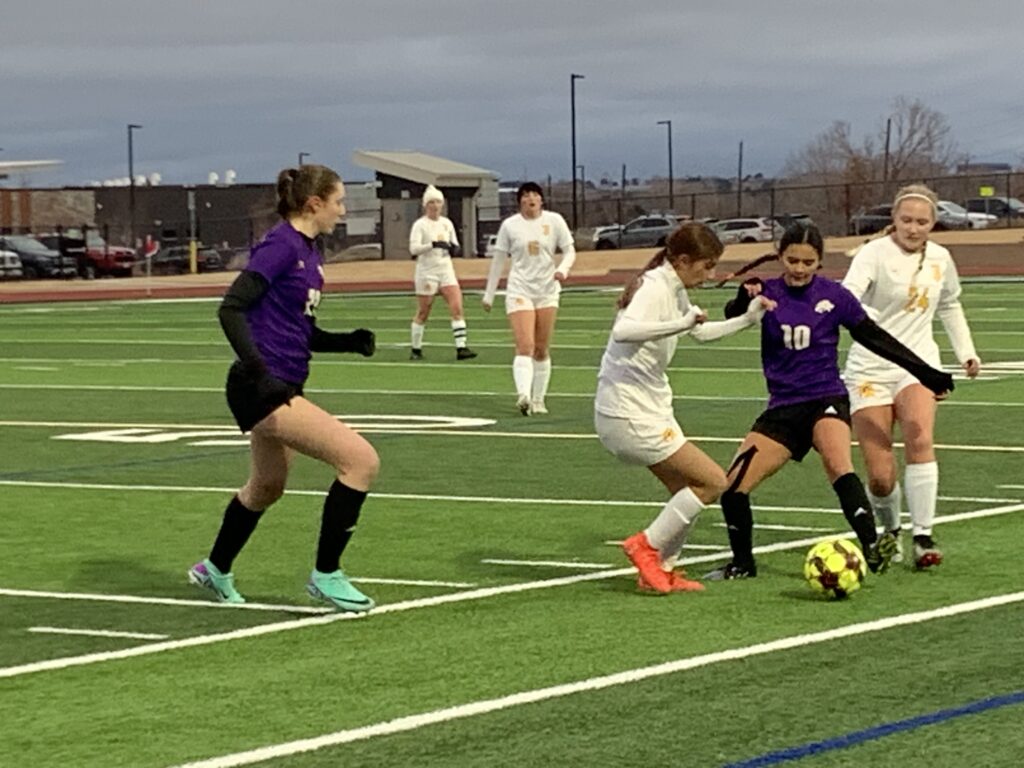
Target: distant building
967	168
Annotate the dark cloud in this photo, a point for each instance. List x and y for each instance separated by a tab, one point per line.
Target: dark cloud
247	84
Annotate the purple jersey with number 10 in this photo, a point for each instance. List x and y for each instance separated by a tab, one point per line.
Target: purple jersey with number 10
281	322
800	339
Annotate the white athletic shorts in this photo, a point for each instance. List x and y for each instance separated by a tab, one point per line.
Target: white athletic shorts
519	302
639	442
867	390
431	279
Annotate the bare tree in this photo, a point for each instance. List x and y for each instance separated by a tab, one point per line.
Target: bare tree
920	142
832	156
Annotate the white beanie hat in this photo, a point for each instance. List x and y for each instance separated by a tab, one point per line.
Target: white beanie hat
432	193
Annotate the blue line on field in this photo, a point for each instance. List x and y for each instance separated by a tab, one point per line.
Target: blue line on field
878	731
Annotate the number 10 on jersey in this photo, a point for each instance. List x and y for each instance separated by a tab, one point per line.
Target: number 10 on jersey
796	336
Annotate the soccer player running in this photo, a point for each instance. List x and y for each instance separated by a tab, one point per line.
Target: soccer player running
904	281
432	242
633	413
268	316
531	238
808	405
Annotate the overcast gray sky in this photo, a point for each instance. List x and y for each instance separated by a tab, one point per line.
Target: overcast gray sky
248	84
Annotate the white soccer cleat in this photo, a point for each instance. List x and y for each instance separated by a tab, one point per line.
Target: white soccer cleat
523	404
537	406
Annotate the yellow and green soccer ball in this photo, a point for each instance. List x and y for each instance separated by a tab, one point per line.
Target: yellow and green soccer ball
835	568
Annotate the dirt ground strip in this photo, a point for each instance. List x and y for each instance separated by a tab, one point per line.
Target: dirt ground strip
984	253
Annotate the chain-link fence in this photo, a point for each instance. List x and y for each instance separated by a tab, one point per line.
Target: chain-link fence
833	207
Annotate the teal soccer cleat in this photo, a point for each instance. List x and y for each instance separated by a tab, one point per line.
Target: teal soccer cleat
336	589
206	575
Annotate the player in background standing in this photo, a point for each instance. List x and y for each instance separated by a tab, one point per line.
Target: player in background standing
268	316
633	413
904	280
432	242
808	405
531	238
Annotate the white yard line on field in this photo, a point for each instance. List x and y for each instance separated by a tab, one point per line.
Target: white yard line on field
96	633
626	677
455	597
139	600
529	501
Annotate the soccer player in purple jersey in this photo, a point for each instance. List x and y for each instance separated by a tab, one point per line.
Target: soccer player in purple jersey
808	404
268	316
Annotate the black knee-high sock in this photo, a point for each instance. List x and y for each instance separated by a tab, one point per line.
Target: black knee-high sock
739	521
856	508
236	528
341	511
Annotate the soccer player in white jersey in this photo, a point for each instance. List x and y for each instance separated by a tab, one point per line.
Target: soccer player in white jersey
633	413
531	238
903	281
432	242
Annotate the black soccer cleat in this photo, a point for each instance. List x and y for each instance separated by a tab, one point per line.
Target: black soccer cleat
464	353
880	554
416	354
731	571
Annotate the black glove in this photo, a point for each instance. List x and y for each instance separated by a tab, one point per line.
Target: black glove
738	305
444	245
938	382
360	340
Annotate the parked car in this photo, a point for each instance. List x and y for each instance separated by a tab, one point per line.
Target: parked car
36	259
649	231
787	220
10	265
93	256
871	220
746	230
1002	207
953	216
174	260
489	242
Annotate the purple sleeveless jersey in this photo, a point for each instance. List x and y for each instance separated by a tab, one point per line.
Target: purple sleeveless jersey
281	322
800	339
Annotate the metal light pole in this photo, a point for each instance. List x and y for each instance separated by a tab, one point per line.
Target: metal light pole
572	103
671	181
302	156
131	186
583	193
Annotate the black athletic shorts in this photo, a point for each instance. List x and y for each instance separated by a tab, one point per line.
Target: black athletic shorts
793	425
251	399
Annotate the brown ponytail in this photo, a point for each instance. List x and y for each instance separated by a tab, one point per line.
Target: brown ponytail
295	186
690	243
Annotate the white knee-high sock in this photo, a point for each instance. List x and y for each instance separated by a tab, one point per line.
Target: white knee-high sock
541	377
459	332
417	335
888	508
522	374
921	482
668	531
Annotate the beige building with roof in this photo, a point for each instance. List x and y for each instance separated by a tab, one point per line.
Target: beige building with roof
471	196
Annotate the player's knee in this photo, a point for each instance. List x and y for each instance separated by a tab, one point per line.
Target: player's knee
882	486
360	467
260	494
713	487
525	350
916	439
